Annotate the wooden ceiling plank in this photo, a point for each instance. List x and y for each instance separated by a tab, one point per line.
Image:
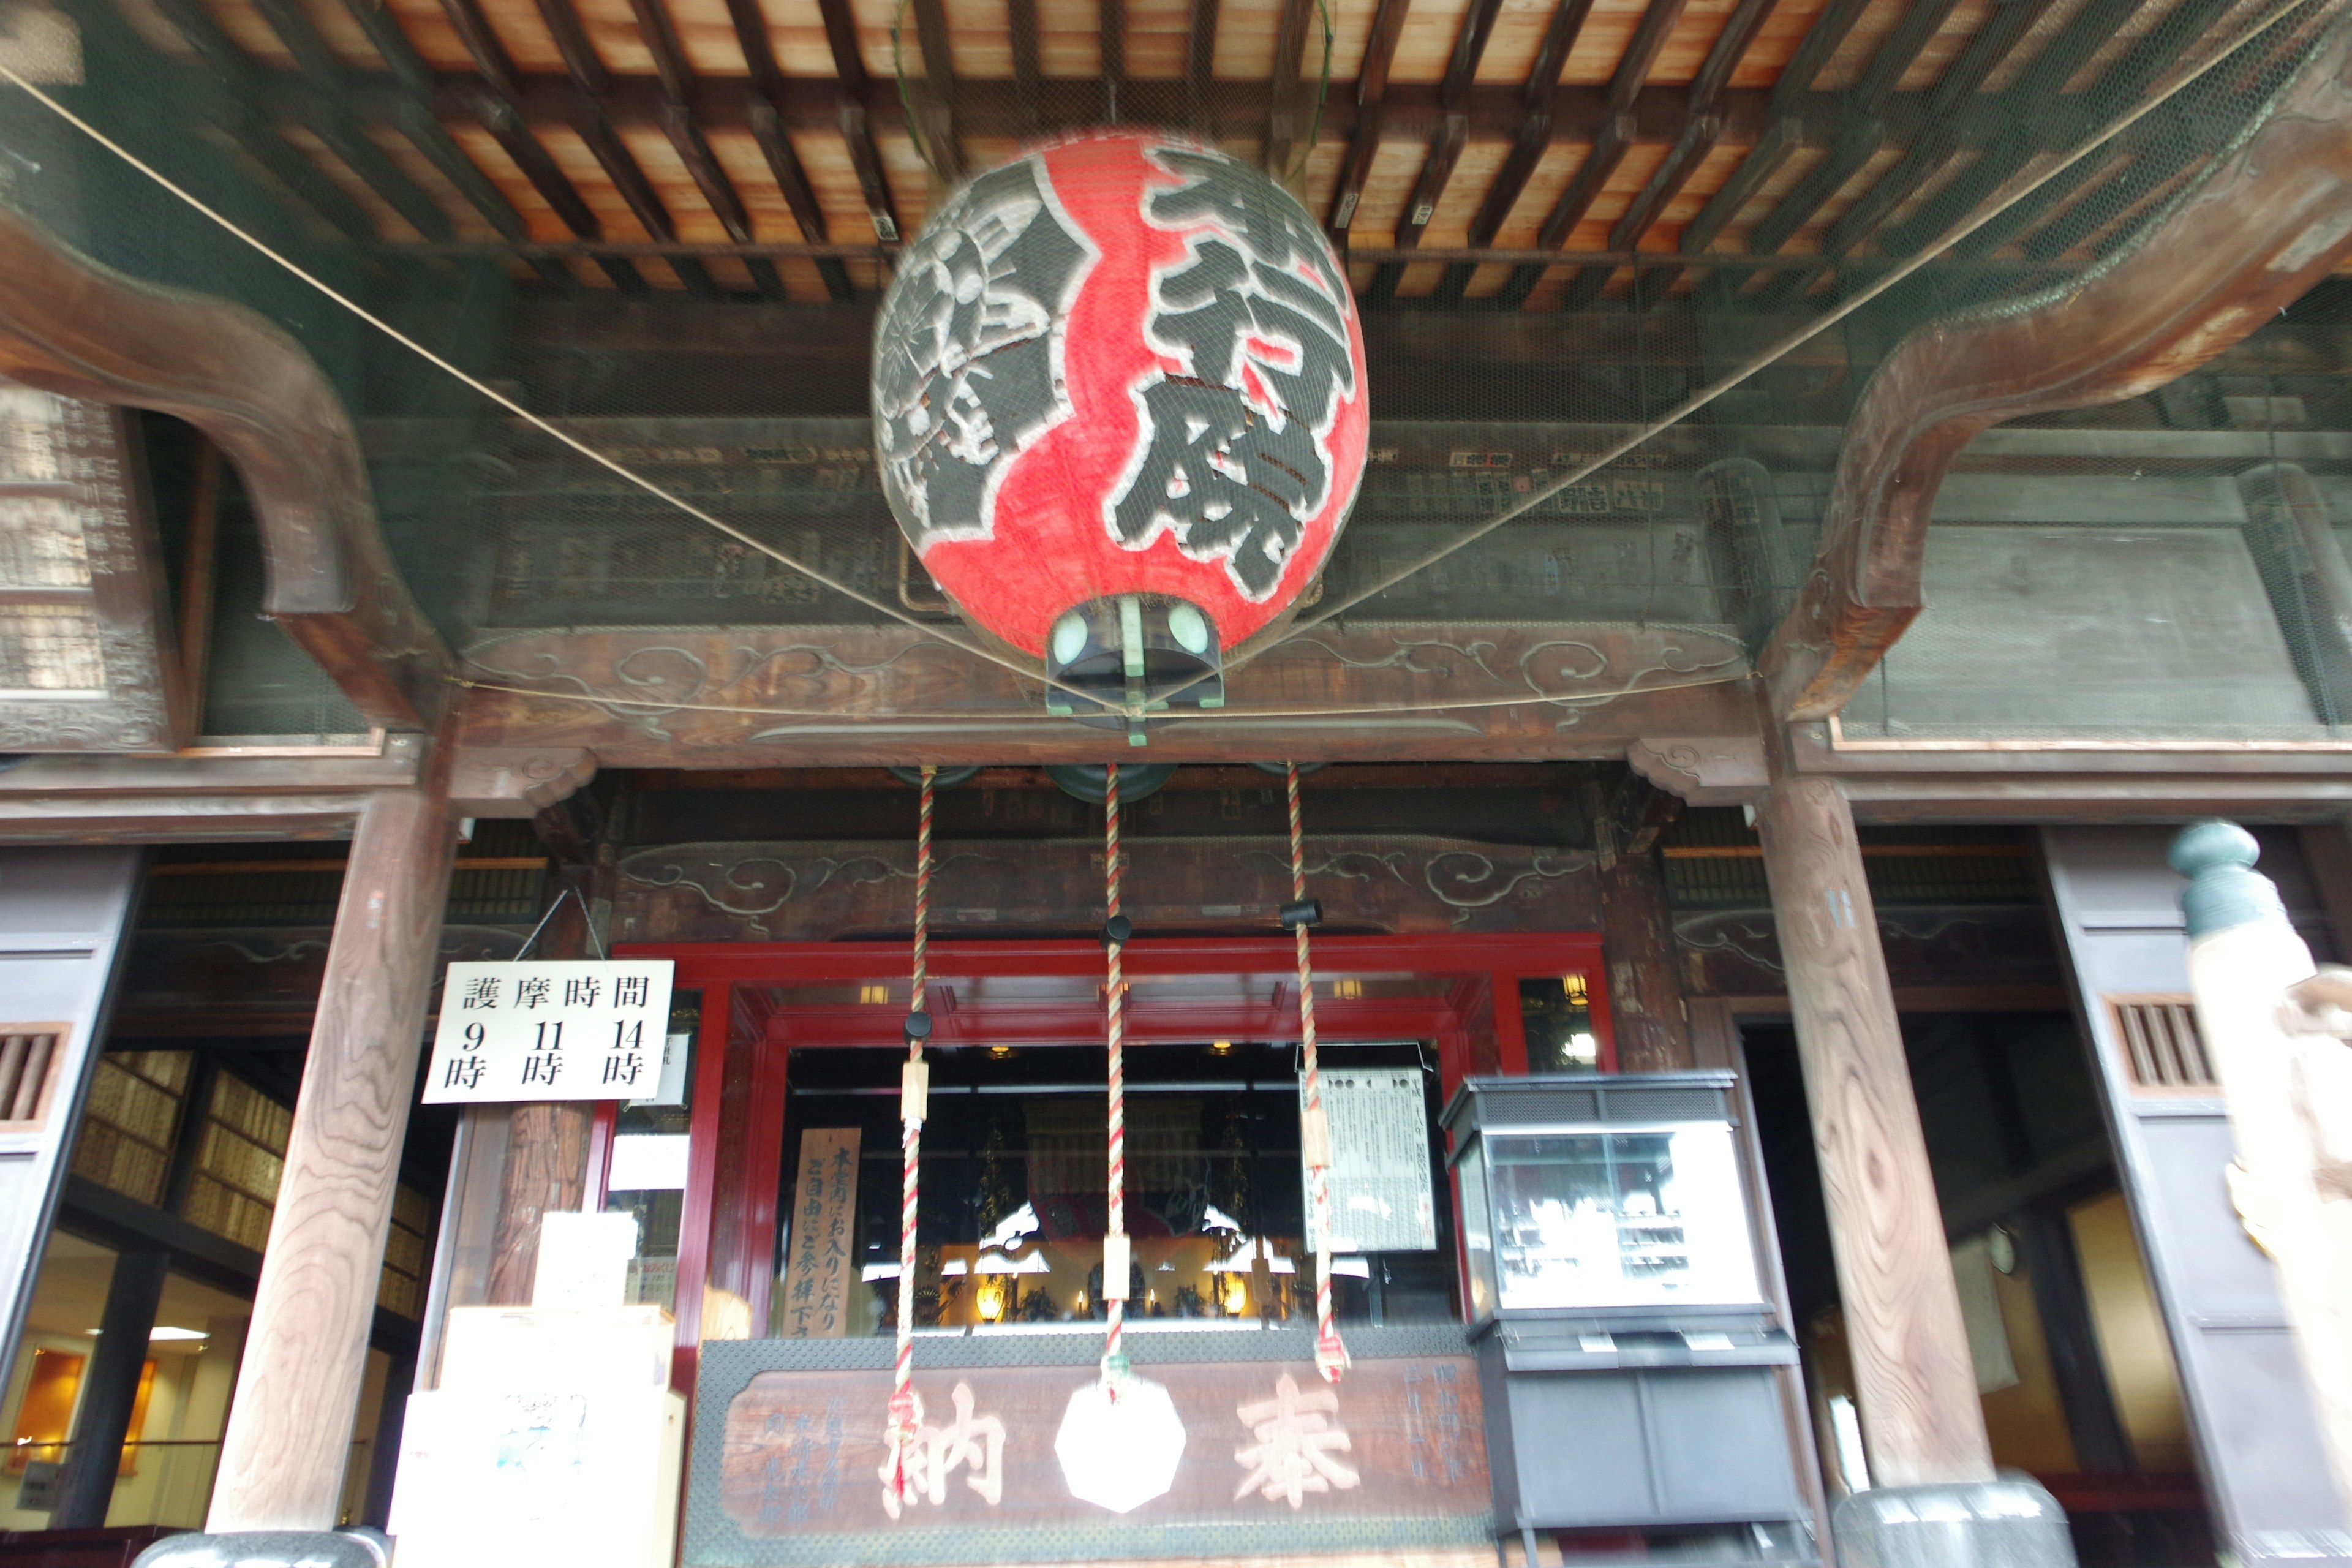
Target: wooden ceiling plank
1641	54
850	114
1372	87
1778	144
1201	58
1822	182
1666	184
1528	148
677	79
2101	206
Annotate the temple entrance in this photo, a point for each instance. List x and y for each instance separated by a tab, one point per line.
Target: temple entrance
790	1086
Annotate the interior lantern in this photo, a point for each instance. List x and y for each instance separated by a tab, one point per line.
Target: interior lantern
1120	408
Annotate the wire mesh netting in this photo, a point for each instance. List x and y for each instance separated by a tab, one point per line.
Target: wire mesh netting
1538	292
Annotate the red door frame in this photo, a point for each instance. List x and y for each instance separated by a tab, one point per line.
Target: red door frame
732	977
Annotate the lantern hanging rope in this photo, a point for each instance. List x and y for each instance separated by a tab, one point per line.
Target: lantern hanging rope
1117	930
1313	1125
906	1410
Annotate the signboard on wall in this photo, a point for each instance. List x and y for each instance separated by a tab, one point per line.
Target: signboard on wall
821	1264
1275	1463
550	1031
1381	1199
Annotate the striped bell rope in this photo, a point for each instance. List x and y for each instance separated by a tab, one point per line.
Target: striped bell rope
1330	1354
906	1410
1116	931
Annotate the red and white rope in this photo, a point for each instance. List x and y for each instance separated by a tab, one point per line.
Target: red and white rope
903	1410
1330	1354
1114	1294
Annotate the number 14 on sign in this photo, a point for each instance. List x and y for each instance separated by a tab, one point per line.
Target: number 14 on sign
550	1031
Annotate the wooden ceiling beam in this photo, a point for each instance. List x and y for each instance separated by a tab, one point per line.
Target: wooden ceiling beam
1452	134
1111	29
935	98
1641	52
693	149
1528	148
1371	86
318	65
851	115
1899	51
1723	56
767	126
489	97
1408	110
1020	17
1282	90
1820	181
1666	184
1198	76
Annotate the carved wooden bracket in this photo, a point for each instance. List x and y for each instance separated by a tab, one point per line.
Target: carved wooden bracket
1704	770
2270	218
70	326
516	780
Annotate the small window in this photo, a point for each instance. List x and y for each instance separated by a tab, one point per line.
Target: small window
2162	1048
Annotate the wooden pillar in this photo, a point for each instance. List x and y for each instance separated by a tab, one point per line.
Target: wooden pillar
283	1456
1922	1423
1637	931
109	1389
547	1144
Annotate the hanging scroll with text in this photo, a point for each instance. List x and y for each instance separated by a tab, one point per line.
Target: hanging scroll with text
550	1031
1381	1196
820	1266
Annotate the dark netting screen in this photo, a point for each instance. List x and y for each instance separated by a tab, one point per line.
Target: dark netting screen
664	234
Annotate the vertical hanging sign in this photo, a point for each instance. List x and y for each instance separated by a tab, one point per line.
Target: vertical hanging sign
550	1031
1382	1200
821	1261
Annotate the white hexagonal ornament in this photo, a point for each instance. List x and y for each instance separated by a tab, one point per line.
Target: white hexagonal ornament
1119	1444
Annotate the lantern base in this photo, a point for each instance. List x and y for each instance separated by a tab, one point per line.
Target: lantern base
1124	661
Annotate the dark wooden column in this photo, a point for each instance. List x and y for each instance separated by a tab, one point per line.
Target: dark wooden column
546	1165
283	1455
1921	1421
109	1389
1637	931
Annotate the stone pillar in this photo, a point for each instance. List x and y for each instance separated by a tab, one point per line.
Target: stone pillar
109	1389
1938	1503
283	1456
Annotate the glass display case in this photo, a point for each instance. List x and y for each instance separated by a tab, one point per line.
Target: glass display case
1612	1195
1616	1293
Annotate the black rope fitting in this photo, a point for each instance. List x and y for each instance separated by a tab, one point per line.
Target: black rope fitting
918	1026
1303	912
1118	932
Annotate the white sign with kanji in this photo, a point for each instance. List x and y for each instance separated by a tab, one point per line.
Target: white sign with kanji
550	1031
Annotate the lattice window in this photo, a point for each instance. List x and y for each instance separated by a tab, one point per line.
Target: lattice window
240	1164
28	1070
407	1250
2162	1049
129	1120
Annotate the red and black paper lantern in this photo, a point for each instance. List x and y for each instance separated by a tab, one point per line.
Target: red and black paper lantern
1119	406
